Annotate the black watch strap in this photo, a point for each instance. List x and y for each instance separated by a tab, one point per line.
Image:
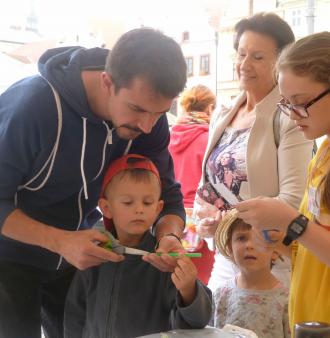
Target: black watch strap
295	229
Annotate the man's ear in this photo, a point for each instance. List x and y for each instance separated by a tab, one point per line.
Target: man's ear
160	206
107	81
105	208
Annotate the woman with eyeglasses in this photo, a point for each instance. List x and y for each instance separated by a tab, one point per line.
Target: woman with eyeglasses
270	154
304	81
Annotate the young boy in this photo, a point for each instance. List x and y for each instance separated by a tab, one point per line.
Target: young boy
254	299
132	298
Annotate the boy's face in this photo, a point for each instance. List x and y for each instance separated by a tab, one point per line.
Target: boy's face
245	256
133	206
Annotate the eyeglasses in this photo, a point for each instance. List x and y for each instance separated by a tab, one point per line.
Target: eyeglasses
300	110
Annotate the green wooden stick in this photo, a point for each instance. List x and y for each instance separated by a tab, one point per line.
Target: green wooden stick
178	254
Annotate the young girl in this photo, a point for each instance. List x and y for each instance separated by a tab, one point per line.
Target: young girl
304	80
254	299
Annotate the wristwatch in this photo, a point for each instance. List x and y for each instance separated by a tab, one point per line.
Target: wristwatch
295	229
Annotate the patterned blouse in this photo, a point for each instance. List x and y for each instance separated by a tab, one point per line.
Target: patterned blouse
226	168
264	312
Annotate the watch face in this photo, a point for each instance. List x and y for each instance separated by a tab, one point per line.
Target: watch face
297	228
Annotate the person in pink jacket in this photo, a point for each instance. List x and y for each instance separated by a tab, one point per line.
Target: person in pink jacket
187	146
189	139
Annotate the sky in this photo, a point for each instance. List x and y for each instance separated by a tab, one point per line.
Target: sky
61	20
63	16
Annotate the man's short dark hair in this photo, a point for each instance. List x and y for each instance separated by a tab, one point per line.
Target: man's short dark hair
268	24
149	54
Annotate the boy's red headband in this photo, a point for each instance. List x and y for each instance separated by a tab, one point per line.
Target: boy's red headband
130	161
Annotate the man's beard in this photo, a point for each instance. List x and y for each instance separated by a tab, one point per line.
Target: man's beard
127	132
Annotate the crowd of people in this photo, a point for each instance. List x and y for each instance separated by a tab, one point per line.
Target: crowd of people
88	138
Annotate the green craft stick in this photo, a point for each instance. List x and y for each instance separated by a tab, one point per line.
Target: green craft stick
177	254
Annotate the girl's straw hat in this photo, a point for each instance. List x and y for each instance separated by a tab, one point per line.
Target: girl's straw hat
221	234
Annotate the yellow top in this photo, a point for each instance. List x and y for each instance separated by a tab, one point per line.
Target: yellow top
310	286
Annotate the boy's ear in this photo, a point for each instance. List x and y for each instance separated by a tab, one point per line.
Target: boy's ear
160	206
105	208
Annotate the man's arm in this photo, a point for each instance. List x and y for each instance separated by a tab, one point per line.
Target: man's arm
77	247
24	135
169	224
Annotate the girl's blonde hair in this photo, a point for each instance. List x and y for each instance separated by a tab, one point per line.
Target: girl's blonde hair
197	99
310	56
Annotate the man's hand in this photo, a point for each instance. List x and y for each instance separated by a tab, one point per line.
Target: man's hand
77	247
81	249
165	263
167	243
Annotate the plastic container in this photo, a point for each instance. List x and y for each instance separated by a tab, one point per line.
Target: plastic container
190	239
312	330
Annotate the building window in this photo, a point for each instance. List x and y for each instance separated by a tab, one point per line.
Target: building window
190	65
185	36
204	66
235	76
174	107
296	18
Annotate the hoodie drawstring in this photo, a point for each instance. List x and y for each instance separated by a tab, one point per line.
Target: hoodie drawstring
109	133
128	147
108	140
83	148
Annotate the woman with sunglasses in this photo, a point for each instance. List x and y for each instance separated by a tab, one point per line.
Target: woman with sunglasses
264	163
304	82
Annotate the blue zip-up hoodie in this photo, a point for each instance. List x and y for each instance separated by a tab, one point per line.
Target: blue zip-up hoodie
53	157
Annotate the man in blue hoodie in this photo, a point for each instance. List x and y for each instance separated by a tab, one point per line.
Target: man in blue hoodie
58	134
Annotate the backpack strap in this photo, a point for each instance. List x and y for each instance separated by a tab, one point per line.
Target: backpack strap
276	128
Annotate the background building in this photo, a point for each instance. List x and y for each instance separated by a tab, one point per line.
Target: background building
304	17
204	29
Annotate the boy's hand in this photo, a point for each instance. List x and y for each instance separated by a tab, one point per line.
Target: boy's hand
184	279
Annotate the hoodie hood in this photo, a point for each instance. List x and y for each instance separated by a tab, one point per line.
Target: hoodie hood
62	68
182	135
